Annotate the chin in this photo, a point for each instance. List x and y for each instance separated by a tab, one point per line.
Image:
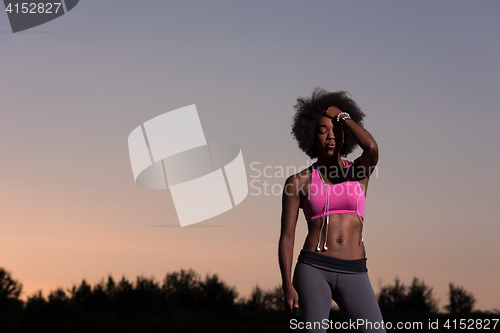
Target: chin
330	153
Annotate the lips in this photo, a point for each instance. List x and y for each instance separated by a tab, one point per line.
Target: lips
330	145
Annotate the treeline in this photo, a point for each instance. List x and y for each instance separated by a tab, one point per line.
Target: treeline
184	302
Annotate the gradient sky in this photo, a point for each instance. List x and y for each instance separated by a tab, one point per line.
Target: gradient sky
427	74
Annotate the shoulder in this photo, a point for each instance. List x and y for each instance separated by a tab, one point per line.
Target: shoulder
359	171
299	179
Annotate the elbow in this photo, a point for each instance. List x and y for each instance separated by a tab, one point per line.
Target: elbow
373	151
285	243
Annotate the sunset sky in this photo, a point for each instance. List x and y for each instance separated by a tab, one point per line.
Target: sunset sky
427	74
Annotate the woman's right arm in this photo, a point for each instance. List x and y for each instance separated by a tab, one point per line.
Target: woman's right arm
289	214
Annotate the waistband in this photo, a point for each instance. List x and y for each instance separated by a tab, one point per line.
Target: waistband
333	264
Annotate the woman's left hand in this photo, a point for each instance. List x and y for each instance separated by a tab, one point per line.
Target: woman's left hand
332	112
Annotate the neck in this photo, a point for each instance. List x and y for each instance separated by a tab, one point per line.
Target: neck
330	162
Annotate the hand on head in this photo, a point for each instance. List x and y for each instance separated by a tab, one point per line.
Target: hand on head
332	112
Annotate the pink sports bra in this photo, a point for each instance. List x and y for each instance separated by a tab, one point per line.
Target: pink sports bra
346	197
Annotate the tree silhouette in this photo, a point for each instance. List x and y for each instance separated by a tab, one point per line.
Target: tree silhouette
460	300
186	303
420	297
10	305
392	296
399	298
265	300
182	289
216	295
9	288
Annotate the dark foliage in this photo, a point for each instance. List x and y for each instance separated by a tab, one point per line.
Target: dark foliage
460	300
186	303
400	298
11	307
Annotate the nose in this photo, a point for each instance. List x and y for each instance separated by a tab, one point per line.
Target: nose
330	135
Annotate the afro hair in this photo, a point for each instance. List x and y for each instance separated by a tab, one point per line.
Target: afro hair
308	113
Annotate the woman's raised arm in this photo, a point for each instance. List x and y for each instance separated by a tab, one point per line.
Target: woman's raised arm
369	158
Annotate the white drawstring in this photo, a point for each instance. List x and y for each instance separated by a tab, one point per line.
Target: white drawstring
357	213
325	218
325	208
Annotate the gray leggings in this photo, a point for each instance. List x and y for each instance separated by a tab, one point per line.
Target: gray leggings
352	292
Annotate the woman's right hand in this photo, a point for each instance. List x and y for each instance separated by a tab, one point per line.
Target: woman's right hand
291	301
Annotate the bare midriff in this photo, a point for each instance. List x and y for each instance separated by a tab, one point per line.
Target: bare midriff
344	237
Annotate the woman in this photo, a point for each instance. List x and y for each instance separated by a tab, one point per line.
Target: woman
332	193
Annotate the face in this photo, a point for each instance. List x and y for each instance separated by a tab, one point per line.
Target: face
329	137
